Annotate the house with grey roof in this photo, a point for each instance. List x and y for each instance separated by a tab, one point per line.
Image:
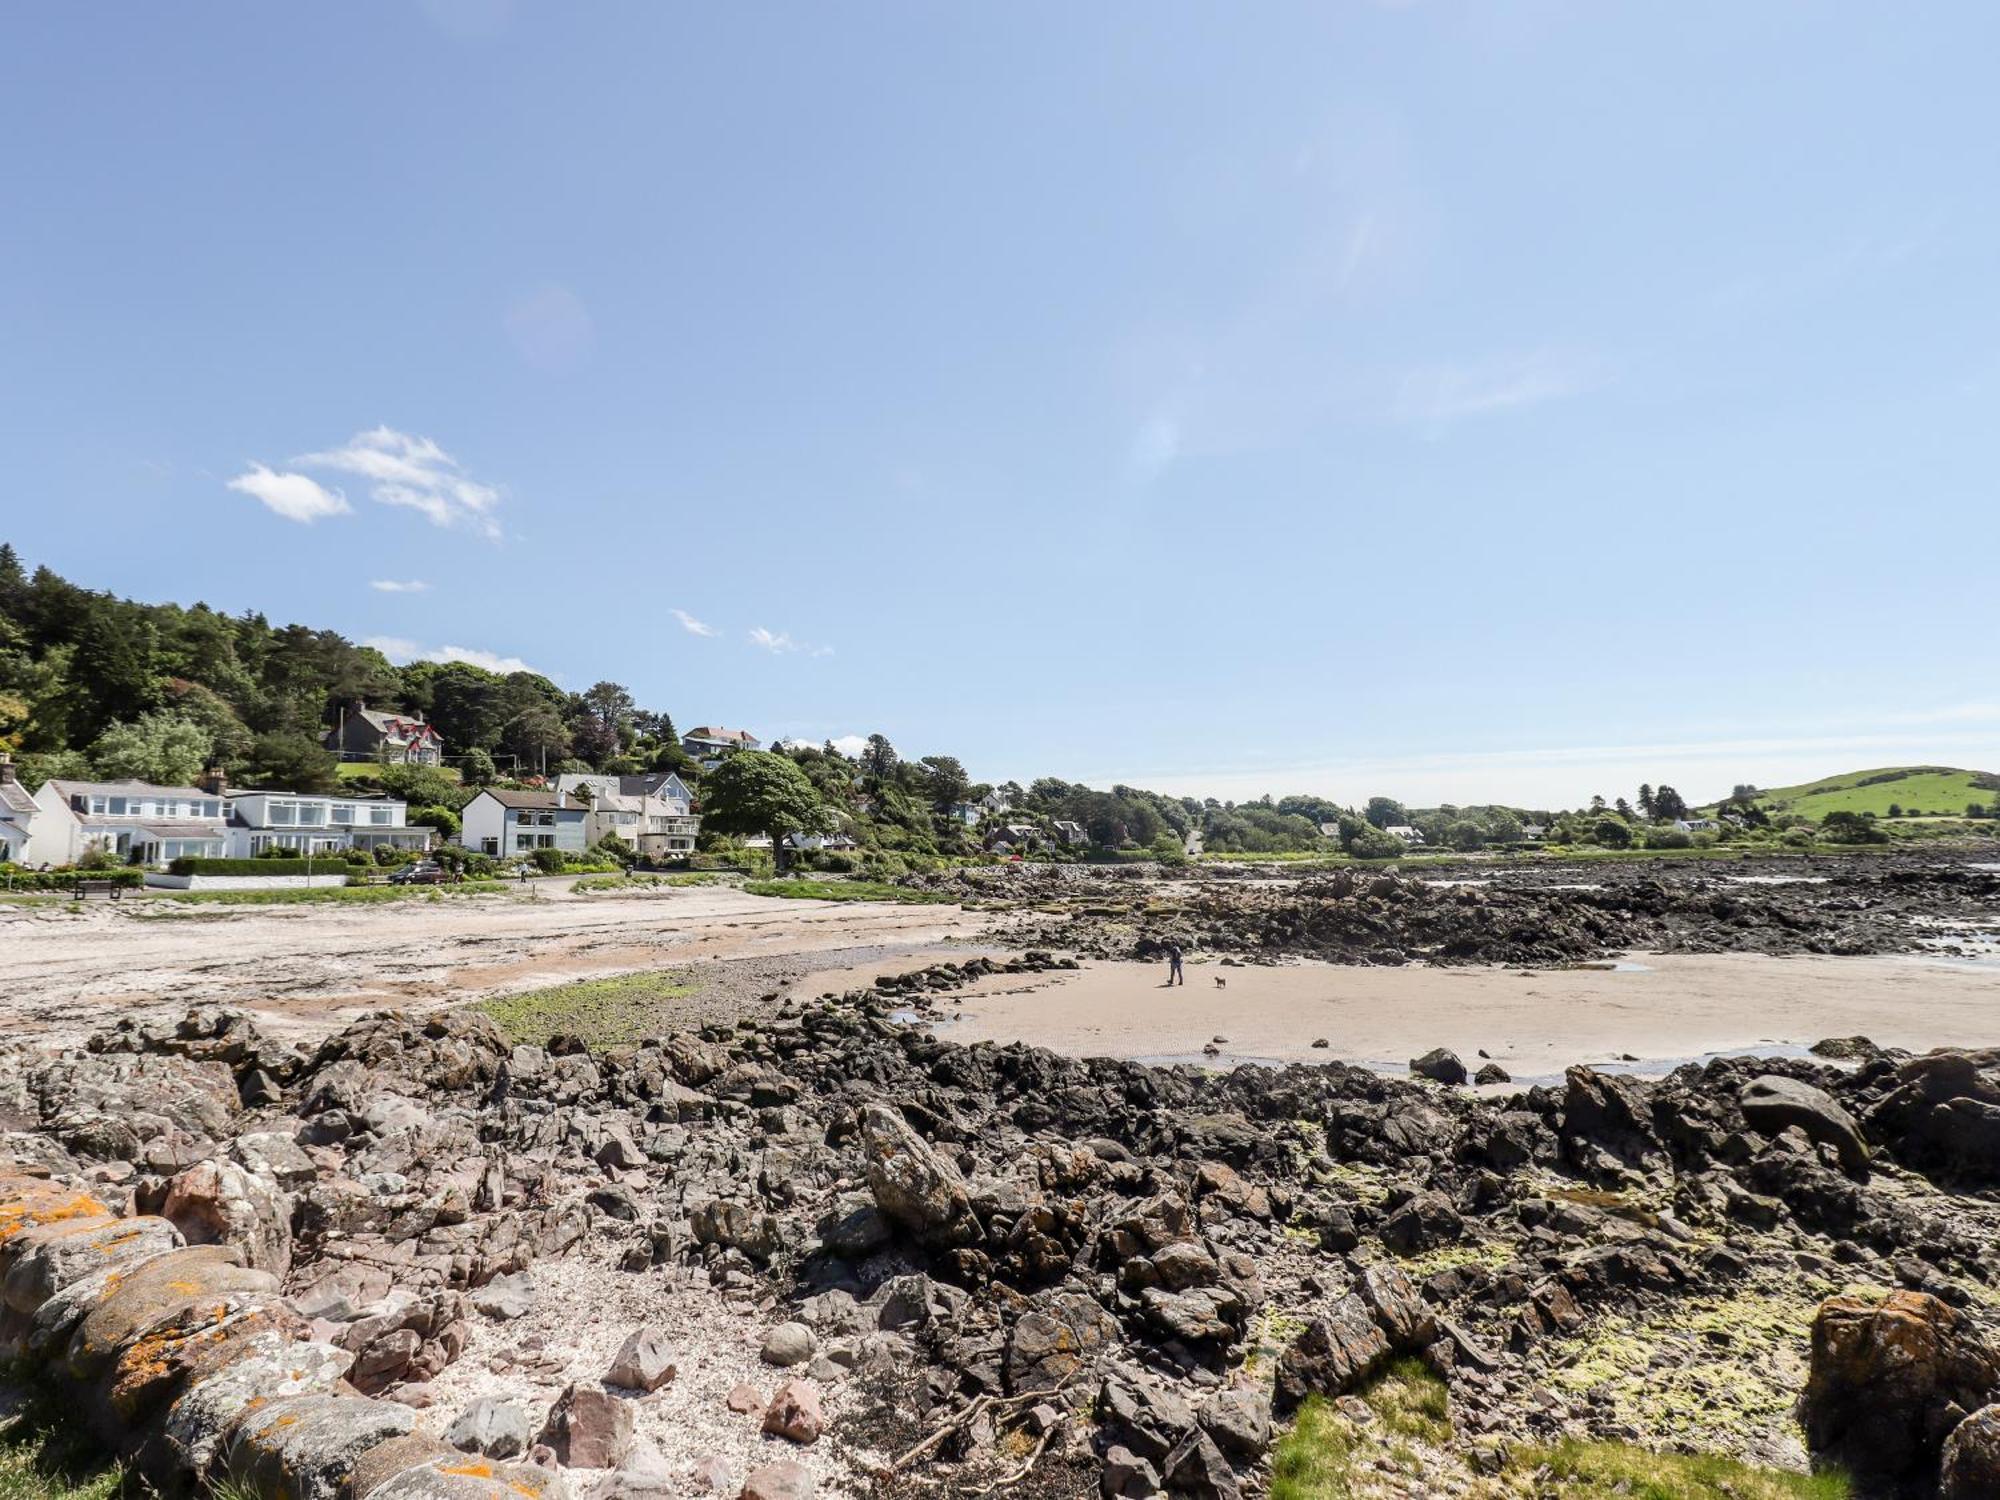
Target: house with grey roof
365	733
134	822
502	822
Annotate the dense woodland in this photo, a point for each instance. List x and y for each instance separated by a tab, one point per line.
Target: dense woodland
95	685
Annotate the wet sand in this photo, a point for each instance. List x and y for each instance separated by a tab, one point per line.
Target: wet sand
1663	1011
307	970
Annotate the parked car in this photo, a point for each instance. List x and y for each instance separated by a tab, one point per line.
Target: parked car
422	873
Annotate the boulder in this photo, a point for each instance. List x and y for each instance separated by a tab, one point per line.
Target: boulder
1398	1308
794	1413
784	1480
505	1297
306	1447
737	1226
1439	1064
1772	1103
1332	1356
1426	1221
588	1427
1239	1419
262	1368
1490	1073
644	1362
786	1345
914	1185
221	1203
1971	1468
496	1428
1889	1379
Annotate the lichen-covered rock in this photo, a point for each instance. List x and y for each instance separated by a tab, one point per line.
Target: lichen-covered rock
306	1447
263	1367
1971	1469
1889	1380
45	1260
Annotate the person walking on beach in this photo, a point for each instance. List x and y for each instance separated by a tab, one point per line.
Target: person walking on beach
1174	974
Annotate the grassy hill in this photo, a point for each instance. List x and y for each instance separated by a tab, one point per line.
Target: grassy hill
1936	790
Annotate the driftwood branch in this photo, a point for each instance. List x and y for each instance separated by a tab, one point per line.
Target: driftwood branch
966	1417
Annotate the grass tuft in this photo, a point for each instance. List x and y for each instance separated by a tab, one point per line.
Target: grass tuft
845	890
618	1011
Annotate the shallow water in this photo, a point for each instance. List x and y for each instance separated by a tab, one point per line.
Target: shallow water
1777	879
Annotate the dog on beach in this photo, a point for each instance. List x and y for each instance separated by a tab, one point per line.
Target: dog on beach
1221	983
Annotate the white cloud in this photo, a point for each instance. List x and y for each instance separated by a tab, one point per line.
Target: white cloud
296	497
849	745
691	625
779	643
416	473
399	586
400	651
1437	395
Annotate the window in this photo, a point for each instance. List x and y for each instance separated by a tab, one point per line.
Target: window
525	819
313	813
282	814
211	809
524	841
342	813
545	841
117	805
547	820
381	815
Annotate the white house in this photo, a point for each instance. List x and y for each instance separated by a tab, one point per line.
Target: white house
17	816
313	824
651	812
1697	825
1405	832
510	823
132	821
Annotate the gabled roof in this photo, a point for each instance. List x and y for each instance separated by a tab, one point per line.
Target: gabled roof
542	800
390	723
14	797
68	789
720	735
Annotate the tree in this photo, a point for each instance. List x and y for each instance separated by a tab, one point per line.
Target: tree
1386	812
477	767
945	781
1624	809
160	747
760	791
1612	833
1464	835
601	722
1743	791
1645	799
1851	828
878	759
292	762
1369	842
1667	804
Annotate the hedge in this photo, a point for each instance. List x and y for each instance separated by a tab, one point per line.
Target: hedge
14	878
190	865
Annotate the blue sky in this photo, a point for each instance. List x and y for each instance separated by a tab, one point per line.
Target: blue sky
1458	400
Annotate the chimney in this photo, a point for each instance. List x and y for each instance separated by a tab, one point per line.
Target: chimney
7	776
214	781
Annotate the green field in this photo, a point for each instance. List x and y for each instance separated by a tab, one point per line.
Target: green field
617	1011
359	770
1938	791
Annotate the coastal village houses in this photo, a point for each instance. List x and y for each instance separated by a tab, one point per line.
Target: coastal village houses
709	746
132	822
307	824
498	822
399	739
653	813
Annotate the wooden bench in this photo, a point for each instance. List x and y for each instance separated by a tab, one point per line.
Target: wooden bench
83	889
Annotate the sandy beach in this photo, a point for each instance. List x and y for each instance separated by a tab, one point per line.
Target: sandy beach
1658	1009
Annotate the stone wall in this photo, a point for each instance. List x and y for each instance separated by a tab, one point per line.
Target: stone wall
194	1369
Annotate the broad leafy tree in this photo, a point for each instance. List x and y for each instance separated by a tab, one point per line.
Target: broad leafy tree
761	791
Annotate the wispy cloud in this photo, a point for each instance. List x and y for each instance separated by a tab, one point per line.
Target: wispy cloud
691	625
1434	396
296	497
399	586
401	651
849	745
780	643
416	473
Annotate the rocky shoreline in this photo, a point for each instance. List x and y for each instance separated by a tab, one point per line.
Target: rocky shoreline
963	1268
1501	912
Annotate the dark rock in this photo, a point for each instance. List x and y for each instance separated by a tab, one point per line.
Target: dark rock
1439	1064
1772	1103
